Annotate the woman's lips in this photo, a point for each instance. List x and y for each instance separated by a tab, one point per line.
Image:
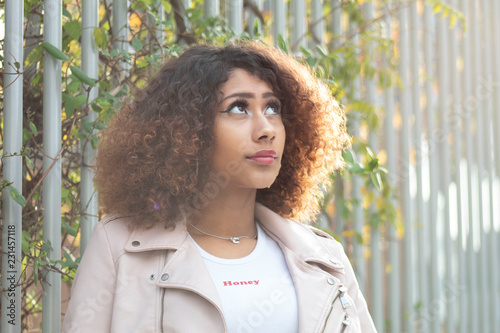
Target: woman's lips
264	157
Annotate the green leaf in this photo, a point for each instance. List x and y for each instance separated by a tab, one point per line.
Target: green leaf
136	44
167	6
141	63
80	100
322	51
94	139
29	162
66	13
64	193
373	164
25	242
383	170
74	29
256	31
96	107
69	104
377	181
101	37
88	126
100	125
35	271
282	43
17	196
349	156
33	129
54	51
34	56
26	135
74	85
81	136
46	246
82	76
370	153
357	168
70	230
69	262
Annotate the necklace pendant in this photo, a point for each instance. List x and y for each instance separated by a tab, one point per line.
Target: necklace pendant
235	240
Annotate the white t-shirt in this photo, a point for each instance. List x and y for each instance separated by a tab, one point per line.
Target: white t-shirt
257	291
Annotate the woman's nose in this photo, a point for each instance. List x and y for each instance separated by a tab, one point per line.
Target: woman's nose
264	130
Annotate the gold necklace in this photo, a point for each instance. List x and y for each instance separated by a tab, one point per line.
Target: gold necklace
235	240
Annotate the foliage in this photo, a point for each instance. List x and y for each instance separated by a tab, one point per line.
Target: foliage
156	35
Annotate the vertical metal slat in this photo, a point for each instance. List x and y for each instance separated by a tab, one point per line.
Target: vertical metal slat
491	250
456	123
444	164
299	31
393	257
375	285
318	25
211	8
479	143
468	104
422	223
404	109
358	218
12	166
279	20
88	197
434	290
51	193
234	11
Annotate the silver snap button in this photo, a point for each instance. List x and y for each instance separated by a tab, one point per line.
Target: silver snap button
165	277
330	280
152	277
136	243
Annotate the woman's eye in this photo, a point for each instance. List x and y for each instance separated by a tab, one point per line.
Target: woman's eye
272	109
238	109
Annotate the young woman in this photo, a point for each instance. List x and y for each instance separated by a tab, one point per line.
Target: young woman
204	175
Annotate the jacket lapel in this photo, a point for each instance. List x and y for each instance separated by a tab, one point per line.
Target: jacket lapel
184	267
310	265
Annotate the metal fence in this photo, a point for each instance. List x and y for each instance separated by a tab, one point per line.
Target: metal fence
435	267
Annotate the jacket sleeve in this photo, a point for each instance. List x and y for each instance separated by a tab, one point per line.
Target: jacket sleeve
92	295
352	285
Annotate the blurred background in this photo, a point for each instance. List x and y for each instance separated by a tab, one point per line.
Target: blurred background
417	207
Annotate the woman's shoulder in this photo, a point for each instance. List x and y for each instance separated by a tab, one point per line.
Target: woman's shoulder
328	240
119	226
112	231
123	234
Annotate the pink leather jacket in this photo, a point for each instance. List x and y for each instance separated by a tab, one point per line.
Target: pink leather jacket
155	280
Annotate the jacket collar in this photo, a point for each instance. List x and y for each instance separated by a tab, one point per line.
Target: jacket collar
299	238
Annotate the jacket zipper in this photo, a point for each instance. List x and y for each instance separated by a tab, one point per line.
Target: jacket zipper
163	295
345	304
345	323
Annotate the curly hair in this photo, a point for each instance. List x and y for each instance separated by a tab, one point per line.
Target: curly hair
154	156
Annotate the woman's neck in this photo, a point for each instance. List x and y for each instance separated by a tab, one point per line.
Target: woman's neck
228	214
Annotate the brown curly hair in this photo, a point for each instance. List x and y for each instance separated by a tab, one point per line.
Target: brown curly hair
153	158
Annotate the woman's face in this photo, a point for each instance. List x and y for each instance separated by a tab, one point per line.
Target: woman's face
249	132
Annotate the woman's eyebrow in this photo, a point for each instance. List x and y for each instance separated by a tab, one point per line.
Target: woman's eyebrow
248	95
